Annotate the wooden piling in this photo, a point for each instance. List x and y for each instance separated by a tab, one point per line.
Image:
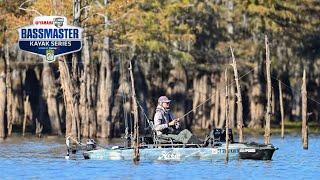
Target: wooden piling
216	107
304	130
281	110
268	113
227	116
136	155
239	98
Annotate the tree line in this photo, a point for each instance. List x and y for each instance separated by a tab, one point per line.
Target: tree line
179	48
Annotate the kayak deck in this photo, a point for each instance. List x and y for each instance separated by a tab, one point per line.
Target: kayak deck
171	153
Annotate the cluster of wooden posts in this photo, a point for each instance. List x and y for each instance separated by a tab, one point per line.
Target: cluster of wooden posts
304	132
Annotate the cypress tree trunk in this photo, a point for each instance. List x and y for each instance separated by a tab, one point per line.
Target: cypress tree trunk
84	93
17	104
281	109
49	93
178	80
105	88
27	114
2	102
203	98
212	112
256	106
216	107
72	114
121	110
195	102
222	118
76	77
200	95
8	90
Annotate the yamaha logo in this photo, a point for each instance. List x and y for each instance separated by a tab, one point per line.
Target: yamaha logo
49	37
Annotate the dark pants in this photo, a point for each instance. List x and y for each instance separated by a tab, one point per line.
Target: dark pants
185	137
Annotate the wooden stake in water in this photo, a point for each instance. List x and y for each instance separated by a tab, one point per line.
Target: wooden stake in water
304	131
227	117
136	154
239	98
268	113
281	110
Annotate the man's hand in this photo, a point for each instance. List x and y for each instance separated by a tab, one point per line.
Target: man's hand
173	122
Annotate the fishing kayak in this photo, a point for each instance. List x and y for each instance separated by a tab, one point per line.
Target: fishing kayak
150	150
188	152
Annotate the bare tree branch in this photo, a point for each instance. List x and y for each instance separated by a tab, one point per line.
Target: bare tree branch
31	10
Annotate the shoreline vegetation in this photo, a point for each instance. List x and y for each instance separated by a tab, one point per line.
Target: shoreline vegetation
291	128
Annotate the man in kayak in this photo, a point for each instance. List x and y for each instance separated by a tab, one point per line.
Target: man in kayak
168	127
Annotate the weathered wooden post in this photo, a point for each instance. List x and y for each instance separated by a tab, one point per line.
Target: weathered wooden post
136	155
239	98
268	113
227	116
304	112
216	107
281	109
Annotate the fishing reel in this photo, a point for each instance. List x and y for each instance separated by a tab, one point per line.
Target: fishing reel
90	145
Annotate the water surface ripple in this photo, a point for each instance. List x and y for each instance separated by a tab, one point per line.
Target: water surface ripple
33	158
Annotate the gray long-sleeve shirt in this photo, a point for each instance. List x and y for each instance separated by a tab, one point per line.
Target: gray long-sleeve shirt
161	120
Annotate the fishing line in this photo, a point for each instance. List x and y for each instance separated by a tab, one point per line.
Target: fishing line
210	98
194	109
293	90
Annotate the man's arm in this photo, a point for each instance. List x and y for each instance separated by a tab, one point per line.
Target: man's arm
177	123
157	122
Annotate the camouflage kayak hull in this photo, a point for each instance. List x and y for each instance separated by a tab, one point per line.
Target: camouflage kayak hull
236	151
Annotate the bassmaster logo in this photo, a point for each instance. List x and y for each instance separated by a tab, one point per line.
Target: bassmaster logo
49	37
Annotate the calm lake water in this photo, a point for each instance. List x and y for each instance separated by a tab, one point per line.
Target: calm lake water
33	158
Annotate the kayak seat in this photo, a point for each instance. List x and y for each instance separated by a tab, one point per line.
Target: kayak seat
160	139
